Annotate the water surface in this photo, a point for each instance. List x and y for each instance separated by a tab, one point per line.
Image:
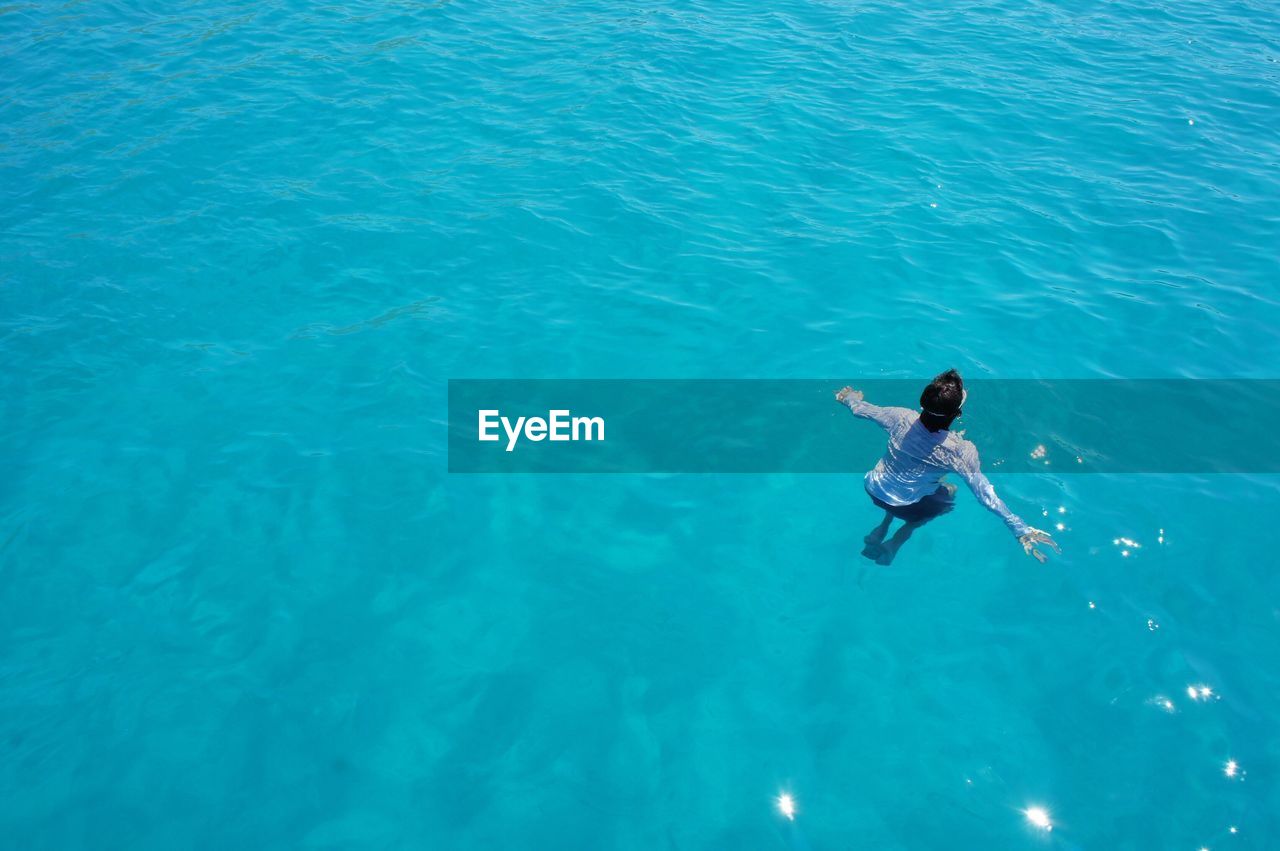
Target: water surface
243	246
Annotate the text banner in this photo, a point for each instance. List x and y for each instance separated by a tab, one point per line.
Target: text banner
796	426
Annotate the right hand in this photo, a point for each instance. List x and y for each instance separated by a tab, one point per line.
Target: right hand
1033	536
845	394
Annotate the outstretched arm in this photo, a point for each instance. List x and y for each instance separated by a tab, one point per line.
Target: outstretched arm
852	399
971	471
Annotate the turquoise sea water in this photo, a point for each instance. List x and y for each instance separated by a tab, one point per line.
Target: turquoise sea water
243	246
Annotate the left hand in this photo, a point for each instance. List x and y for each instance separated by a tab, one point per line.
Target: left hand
845	394
1031	537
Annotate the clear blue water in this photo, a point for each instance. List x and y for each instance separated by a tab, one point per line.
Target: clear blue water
243	246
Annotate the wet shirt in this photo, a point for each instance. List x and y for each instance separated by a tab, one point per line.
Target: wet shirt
917	459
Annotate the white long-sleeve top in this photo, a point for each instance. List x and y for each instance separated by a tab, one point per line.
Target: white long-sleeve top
917	459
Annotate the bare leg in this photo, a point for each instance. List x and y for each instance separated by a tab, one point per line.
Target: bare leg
875	537
890	548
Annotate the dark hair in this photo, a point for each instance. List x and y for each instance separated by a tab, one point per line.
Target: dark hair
941	400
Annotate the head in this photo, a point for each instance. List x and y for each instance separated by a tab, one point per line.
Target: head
941	401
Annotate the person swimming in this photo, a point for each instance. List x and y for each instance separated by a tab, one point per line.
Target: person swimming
907	481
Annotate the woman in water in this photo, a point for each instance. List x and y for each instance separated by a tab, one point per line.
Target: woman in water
907	481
